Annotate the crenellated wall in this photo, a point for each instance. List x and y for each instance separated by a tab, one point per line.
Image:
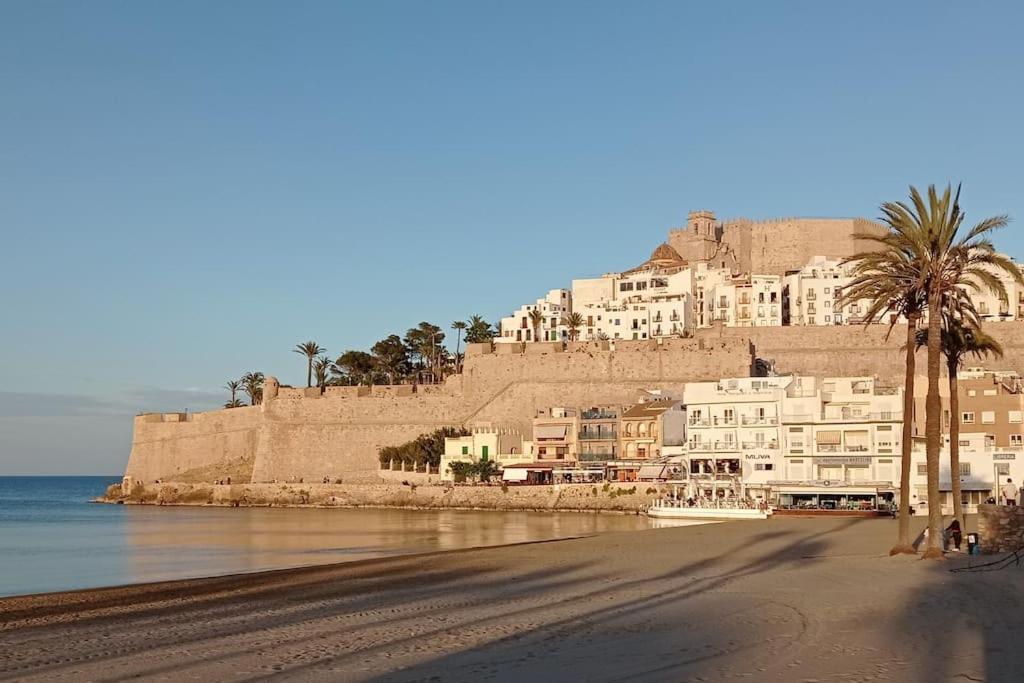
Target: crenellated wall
298	433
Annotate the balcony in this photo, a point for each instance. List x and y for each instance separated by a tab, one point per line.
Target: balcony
760	444
705	422
759	420
657	318
701	446
724	421
674	317
599	415
596	456
598	436
726	446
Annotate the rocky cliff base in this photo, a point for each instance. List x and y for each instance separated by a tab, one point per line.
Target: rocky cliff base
631	499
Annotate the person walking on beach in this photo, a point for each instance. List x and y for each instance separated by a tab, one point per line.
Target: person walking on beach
1009	492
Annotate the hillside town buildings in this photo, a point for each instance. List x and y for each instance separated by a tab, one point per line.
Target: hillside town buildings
736	274
792	442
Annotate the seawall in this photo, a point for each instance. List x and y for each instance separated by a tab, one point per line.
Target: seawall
619	498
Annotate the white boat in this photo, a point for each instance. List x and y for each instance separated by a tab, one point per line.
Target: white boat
667	508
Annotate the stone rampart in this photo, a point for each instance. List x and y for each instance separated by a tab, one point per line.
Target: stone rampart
303	434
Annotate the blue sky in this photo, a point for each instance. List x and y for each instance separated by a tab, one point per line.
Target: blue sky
189	189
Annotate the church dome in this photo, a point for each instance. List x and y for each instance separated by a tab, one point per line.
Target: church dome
665	253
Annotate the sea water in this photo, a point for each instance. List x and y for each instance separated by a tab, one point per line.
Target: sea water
52	538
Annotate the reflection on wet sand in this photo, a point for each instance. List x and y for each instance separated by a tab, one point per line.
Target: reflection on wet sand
169	543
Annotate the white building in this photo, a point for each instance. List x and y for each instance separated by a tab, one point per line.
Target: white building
733	438
519	327
812	295
841	444
503	446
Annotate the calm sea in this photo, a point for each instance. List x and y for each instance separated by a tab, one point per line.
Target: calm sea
52	538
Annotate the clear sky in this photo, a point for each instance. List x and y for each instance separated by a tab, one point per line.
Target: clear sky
189	189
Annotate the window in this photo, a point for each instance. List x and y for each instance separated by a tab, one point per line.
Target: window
763	466
1016	440
885	461
483	452
1015	417
965	469
625	286
967	418
641	285
465	450
972	392
1003	469
922	468
988	417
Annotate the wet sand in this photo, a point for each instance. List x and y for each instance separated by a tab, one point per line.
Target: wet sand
787	599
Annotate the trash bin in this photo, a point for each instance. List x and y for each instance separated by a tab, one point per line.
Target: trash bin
973	544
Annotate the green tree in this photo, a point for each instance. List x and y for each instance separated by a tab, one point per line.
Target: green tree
574	321
233	386
310	350
959	340
931	230
536	320
424	343
234	403
391	357
460	327
252	384
479	331
354	367
890	280
322	369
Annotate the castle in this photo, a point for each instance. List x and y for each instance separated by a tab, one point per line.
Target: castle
303	435
770	247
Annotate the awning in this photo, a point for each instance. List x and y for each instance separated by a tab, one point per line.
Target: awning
515	475
829	438
550	431
651	471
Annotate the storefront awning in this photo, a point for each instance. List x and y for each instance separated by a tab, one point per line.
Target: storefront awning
517	474
829	438
651	472
550	431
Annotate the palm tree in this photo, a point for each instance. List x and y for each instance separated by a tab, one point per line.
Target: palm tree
957	341
459	327
536	319
574	321
322	368
890	280
951	263
252	384
234	403
479	331
310	350
233	386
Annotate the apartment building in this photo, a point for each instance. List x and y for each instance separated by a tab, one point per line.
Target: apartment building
984	469
555	432
519	327
501	445
841	443
991	404
598	434
733	438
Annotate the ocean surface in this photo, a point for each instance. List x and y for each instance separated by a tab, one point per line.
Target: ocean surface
52	538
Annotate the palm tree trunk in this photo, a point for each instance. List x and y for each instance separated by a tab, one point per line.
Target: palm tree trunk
903	544
954	443
309	372
458	342
933	425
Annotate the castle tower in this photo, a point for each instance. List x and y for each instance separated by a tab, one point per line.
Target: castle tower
702	224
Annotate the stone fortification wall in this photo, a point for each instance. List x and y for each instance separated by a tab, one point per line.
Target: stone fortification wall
835	351
297	433
196	446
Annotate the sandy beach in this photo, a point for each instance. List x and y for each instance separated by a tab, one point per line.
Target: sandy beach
787	599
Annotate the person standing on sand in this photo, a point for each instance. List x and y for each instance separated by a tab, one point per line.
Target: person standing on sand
1009	492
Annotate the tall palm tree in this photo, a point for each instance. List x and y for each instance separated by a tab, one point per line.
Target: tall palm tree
233	386
958	340
459	326
310	350
574	321
252	384
536	319
952	263
891	281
